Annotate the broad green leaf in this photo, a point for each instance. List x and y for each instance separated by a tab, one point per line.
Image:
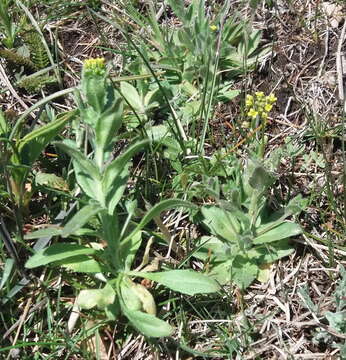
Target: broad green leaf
221	222
116	167
243	271
57	230
282	231
136	297
222	272
158	132
268	253
86	172
3	124
52	181
129	249
337	320
57	252
129	295
112	311
80	218
261	179
185	281
212	247
148	302
156	211
87	299
109	123
81	263
148	325
49	231
296	205
131	95
6	272
116	175
31	145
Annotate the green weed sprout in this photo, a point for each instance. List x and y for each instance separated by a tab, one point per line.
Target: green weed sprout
103	180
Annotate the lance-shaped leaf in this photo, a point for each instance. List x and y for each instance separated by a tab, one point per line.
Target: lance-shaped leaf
109	123
116	174
82	264
31	145
58	252
86	172
221	222
115	168
80	218
87	299
282	231
131	95
185	281
149	325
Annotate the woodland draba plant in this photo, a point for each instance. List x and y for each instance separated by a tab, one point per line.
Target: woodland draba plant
246	235
103	179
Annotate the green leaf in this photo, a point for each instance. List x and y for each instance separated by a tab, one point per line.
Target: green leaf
82	264
109	123
129	295
148	325
3	124
115	168
31	145
57	252
185	281
86	172
268	253
131	95
80	218
212	246
261	179
51	181
129	249
221	222
296	205
6	271
222	272
49	231
116	174
282	231
243	271
88	299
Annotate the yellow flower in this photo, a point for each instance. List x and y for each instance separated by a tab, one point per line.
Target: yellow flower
252	113
249	100
213	27
95	66
259	94
271	98
268	107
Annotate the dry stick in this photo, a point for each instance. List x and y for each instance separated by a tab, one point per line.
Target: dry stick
18	322
339	64
22	319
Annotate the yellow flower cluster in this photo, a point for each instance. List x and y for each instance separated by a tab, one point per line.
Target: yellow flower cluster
259	105
213	27
95	66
